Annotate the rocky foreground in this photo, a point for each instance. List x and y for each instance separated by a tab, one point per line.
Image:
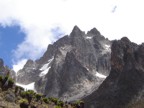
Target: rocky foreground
12	96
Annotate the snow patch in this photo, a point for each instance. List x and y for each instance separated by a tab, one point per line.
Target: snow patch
43	73
50	60
28	86
45	68
88	37
100	75
107	47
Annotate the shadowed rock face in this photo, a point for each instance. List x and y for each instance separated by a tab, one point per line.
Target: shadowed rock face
71	67
126	78
4	70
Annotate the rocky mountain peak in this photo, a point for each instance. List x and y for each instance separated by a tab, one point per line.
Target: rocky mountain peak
125	39
29	63
76	29
122	53
126	77
73	66
76	32
93	31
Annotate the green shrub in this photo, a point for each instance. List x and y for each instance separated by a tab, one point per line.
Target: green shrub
57	106
46	100
38	97
23	103
29	95
79	103
4	80
6	77
1	78
17	89
60	103
10	82
31	91
23	94
21	88
54	100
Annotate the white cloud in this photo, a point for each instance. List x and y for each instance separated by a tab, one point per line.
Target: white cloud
19	65
37	18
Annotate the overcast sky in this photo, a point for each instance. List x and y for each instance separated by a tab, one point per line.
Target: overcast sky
37	23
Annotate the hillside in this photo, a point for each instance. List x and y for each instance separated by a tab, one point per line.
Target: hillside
12	96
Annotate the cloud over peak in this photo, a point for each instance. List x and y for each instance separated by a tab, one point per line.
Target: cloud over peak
44	20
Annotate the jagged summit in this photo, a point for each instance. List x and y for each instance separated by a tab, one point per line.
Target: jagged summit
125	39
76	32
73	66
106	74
76	28
28	63
93	31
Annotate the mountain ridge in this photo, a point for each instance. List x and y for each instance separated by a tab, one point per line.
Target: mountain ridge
125	81
88	66
80	58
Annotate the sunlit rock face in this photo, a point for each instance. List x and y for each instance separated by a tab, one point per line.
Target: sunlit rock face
72	67
125	81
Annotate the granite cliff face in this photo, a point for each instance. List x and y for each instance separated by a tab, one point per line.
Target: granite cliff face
72	67
124	84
